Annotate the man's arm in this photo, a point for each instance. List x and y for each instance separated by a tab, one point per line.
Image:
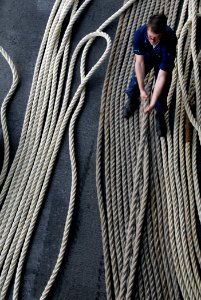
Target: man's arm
166	67
159	85
140	74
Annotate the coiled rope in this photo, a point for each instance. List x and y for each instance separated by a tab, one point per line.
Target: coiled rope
148	209
169	252
24	186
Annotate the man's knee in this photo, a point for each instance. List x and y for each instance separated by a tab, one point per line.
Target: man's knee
132	88
161	106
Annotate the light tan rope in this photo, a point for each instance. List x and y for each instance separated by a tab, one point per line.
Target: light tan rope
27	181
3	115
168	249
148	192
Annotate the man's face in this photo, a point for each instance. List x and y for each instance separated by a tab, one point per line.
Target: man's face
153	38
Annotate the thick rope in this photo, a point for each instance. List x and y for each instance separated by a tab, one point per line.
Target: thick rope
26	183
169	249
148	191
3	115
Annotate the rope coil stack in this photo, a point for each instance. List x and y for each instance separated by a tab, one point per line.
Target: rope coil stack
46	118
151	188
149	222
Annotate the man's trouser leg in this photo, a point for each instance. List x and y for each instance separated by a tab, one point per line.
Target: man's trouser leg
133	93
132	90
161	108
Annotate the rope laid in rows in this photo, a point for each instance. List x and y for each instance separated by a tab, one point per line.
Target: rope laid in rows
169	252
46	119
148	209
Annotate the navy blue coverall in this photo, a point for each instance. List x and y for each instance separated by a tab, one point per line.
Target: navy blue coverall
160	57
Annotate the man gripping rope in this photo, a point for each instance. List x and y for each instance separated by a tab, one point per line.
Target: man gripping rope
154	46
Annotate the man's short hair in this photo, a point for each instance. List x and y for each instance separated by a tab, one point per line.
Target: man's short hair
157	23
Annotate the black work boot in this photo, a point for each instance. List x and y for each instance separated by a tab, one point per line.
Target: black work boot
161	128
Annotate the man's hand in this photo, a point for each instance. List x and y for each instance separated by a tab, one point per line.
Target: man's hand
148	109
159	85
144	95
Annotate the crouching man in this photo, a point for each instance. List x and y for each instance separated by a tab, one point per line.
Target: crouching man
154	46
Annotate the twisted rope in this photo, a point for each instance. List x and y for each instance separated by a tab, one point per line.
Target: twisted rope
148	191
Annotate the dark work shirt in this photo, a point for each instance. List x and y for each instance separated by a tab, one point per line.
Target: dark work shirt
164	52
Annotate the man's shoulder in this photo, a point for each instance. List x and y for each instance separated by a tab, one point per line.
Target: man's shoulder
140	33
138	39
142	29
170	34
